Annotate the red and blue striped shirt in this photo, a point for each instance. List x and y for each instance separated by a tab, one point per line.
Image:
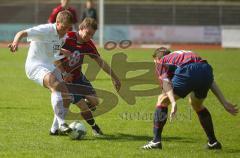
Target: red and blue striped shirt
74	63
166	66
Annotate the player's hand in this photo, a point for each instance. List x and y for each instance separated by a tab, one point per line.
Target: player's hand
173	111
65	52
232	109
117	84
13	46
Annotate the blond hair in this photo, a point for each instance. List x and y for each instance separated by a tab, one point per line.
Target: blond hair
88	22
64	17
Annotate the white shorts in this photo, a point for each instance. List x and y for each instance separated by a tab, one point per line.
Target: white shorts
38	73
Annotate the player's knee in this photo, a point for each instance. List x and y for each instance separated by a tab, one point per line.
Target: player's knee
196	106
82	105
190	101
60	86
94	101
162	105
196	103
50	81
57	97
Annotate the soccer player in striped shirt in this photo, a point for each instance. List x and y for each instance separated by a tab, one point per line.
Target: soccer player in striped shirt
181	73
80	44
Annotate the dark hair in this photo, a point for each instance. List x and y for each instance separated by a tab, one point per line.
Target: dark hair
88	22
161	52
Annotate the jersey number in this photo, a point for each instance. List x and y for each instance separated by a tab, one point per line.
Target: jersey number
74	58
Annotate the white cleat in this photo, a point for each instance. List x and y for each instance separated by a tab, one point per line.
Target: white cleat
152	145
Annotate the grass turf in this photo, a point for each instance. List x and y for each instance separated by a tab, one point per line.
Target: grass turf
26	115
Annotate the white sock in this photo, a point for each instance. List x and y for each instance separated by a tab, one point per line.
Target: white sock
55	125
59	110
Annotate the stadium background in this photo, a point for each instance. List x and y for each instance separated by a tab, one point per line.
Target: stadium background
142	22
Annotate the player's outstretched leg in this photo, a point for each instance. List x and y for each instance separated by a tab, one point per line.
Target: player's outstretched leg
92	102
87	115
206	121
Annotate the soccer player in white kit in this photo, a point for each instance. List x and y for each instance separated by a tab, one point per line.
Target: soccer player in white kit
45	47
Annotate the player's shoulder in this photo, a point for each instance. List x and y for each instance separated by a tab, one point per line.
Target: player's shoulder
46	27
91	48
91	43
71	35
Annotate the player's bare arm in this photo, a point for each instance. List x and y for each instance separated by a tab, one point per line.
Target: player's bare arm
163	100
14	45
109	71
65	52
168	89
229	107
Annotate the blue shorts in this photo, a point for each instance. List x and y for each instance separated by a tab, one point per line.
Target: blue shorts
79	88
194	77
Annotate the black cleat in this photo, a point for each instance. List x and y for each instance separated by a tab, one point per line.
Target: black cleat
214	146
54	133
152	145
97	132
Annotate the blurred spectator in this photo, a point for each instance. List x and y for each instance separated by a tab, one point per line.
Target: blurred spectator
90	11
63	6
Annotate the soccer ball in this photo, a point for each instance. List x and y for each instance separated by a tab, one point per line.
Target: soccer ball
78	130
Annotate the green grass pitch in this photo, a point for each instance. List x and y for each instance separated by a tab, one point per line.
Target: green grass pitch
26	115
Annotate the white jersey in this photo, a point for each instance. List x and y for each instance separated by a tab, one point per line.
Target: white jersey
44	49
